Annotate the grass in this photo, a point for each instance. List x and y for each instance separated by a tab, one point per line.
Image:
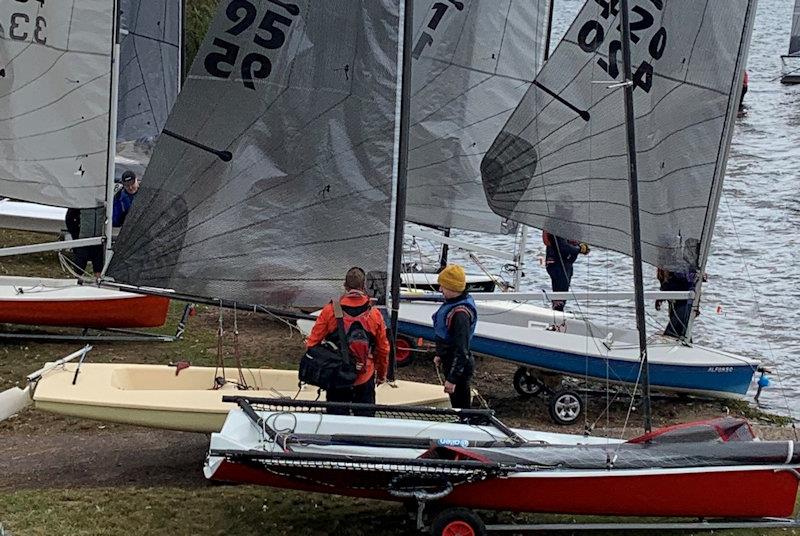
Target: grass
198	16
223	510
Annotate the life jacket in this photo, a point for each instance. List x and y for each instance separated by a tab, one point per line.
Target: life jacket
443	316
359	340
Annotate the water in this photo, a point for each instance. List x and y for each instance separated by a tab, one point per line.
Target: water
751	302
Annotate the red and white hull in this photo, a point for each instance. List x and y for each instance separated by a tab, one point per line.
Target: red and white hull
64	302
741	492
547	473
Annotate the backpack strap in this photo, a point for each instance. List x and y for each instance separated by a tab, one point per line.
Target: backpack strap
339	314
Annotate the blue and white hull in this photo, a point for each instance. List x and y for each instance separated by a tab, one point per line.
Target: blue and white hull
519	333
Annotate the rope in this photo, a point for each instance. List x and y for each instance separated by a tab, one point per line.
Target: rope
236	353
760	316
220	357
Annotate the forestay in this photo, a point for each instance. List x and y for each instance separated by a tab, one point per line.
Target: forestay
55	87
277	167
150	59
473	62
560	162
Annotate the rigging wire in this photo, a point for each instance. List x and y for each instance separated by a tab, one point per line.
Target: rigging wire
759	315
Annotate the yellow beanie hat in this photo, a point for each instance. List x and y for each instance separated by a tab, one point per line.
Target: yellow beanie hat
453	278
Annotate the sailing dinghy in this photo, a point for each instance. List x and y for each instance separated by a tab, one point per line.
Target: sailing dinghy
791	62
176	398
470	459
263	188
560	164
65	64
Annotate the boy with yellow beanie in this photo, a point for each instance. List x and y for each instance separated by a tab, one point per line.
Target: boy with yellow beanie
454	324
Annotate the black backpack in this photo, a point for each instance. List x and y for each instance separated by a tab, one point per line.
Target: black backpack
326	366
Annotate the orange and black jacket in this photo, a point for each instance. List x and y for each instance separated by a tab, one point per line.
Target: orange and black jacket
355	303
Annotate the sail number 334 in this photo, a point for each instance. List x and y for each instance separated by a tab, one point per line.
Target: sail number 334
24	27
591	37
270	35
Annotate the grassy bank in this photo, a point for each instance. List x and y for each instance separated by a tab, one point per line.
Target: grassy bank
228	510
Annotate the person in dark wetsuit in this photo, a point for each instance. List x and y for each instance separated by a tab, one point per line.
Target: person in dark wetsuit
454	324
679	310
745	86
561	254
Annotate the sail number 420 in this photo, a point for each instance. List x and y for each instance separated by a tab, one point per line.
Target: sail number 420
591	37
270	36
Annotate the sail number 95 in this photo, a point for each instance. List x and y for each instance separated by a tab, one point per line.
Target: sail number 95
591	37
270	35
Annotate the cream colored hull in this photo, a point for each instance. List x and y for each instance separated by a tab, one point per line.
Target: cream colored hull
154	396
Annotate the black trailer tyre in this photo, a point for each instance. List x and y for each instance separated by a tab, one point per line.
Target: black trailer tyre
457	522
526	383
404	351
565	407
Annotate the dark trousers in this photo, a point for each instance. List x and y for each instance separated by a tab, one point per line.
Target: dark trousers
362	394
462	397
679	313
86	254
560	277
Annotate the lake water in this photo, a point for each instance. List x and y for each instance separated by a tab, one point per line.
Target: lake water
751	303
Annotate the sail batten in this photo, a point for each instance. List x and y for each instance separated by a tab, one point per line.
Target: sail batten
555	164
473	62
55	91
276	169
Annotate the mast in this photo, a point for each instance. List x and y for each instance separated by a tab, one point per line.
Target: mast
445	250
112	140
183	68
402	174
633	188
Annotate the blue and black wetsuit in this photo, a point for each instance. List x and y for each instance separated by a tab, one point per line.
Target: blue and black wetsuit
454	323
559	258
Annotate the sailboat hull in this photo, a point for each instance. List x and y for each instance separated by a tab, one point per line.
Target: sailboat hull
674	367
159	396
63	302
740	492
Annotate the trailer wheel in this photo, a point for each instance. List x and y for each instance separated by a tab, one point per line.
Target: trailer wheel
404	351
565	406
457	522
526	383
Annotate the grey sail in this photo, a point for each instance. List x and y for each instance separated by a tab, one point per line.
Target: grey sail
277	167
150	63
794	40
55	87
560	162
473	62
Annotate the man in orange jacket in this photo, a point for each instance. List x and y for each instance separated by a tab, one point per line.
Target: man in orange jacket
360	318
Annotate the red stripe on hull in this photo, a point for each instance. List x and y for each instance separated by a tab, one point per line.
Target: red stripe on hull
136	312
731	494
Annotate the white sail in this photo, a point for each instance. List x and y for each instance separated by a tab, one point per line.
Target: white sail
473	62
561	163
55	91
150	62
276	171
